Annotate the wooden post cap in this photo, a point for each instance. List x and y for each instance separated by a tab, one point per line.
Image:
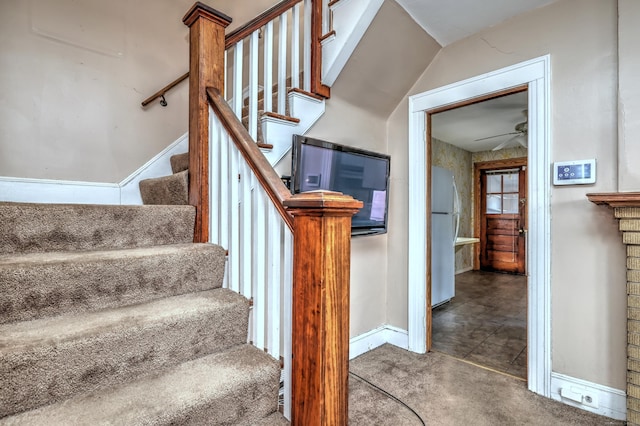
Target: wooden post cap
335	202
201	10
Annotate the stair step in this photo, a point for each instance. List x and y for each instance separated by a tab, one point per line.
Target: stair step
179	162
166	190
274	419
35	285
274	103
29	228
237	387
48	360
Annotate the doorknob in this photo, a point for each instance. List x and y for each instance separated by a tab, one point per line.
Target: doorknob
521	231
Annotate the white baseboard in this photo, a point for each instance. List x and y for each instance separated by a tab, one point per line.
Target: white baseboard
372	339
599	399
22	190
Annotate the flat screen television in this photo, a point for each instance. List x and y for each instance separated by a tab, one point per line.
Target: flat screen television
364	175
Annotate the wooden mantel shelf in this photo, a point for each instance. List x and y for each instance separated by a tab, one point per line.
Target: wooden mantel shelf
616	199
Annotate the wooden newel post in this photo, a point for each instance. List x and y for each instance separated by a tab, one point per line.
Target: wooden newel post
320	341
206	69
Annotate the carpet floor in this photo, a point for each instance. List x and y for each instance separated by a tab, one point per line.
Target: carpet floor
443	390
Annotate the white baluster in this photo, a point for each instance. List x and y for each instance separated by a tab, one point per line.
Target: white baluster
225	91
215	141
234	229
237	79
253	86
282	65
287	303
268	67
295	47
223	200
326	16
246	231
259	268
274	280
308	6
216	229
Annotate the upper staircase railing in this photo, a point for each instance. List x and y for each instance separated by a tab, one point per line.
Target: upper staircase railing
289	254
298	27
264	58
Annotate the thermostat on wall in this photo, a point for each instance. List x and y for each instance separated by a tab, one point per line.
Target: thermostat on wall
579	172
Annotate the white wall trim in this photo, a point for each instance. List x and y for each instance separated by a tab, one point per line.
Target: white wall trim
22	190
536	73
158	166
351	19
25	190
605	400
377	337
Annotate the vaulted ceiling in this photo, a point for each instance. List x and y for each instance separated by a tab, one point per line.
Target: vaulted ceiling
452	20
493	121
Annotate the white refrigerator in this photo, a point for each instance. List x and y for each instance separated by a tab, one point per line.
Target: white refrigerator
445	221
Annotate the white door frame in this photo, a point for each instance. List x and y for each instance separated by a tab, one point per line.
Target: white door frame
536	74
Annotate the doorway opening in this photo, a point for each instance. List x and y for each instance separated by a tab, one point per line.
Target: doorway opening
534	73
482	318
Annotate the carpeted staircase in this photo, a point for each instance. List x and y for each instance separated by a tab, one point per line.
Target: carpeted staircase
168	190
174	189
111	315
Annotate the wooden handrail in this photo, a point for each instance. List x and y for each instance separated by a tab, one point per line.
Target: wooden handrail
165	89
269	179
258	22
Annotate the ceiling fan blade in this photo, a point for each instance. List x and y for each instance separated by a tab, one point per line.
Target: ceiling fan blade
496	136
505	143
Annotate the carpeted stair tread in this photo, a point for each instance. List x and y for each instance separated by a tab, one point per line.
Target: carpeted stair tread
274	419
48	360
237	387
166	190
179	162
35	285
28	228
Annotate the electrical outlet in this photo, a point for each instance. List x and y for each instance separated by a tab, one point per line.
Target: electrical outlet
581	395
590	400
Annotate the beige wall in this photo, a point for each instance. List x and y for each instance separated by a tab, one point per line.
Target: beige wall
368	253
365	93
73	74
629	95
372	78
587	266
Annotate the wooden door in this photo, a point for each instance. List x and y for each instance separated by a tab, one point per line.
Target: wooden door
503	220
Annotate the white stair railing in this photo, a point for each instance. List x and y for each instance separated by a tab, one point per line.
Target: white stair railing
270	57
260	247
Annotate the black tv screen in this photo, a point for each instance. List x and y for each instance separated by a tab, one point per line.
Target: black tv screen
364	175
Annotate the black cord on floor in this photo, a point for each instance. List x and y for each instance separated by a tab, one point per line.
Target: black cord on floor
384	392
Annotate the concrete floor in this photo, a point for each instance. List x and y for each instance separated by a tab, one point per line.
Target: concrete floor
486	322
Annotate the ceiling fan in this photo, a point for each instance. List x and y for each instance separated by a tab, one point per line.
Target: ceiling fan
520	135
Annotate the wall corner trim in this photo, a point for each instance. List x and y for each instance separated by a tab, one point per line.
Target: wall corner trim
372	339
